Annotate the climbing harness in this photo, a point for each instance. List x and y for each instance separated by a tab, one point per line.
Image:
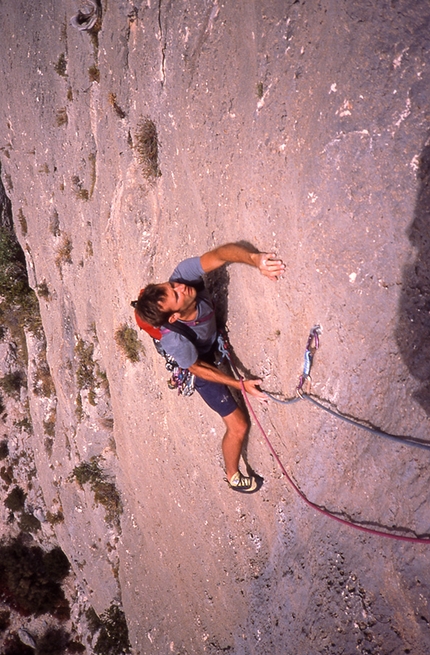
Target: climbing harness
314	337
182	379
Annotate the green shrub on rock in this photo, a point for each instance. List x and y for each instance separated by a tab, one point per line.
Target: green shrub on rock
113	638
32	578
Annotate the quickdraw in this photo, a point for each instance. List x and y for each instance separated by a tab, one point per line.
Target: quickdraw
312	346
223	345
182	380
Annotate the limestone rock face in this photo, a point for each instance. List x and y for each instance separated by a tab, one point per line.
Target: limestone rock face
300	128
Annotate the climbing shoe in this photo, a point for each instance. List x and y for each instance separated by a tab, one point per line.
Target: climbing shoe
244	483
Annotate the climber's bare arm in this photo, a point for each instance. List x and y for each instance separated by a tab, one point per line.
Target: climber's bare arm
267	263
212	374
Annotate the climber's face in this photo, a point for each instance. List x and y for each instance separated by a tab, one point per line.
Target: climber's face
180	300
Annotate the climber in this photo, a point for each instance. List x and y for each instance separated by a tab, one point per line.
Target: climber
184	299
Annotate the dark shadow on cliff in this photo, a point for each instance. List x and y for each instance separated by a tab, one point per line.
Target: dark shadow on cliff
217	283
413	329
5	207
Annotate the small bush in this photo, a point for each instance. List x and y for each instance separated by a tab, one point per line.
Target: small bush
146	145
128	340
55	519
54	223
104	382
88	375
85	373
79	409
11	383
29	523
78	189
48	443
22	221
4	449
53	642
6	474
88	472
64	252
31	578
113	638
30	313
43	384
83	194
61	66
43	290
57	564
49	423
105	492
56	641
15	501
94	73
93	620
117	109
61	117
19	302
24	424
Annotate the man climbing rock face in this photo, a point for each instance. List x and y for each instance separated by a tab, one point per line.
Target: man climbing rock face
183	298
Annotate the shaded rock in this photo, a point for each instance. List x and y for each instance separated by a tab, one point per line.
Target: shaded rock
26	638
88	17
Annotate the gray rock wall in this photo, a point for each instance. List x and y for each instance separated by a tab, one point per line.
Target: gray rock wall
298	127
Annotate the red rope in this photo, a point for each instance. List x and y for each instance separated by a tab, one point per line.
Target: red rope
379	533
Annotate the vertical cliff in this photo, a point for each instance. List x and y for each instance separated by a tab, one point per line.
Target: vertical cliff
300	127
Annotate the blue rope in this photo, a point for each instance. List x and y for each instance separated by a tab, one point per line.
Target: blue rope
407	440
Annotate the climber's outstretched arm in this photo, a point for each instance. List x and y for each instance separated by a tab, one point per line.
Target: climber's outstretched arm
267	263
